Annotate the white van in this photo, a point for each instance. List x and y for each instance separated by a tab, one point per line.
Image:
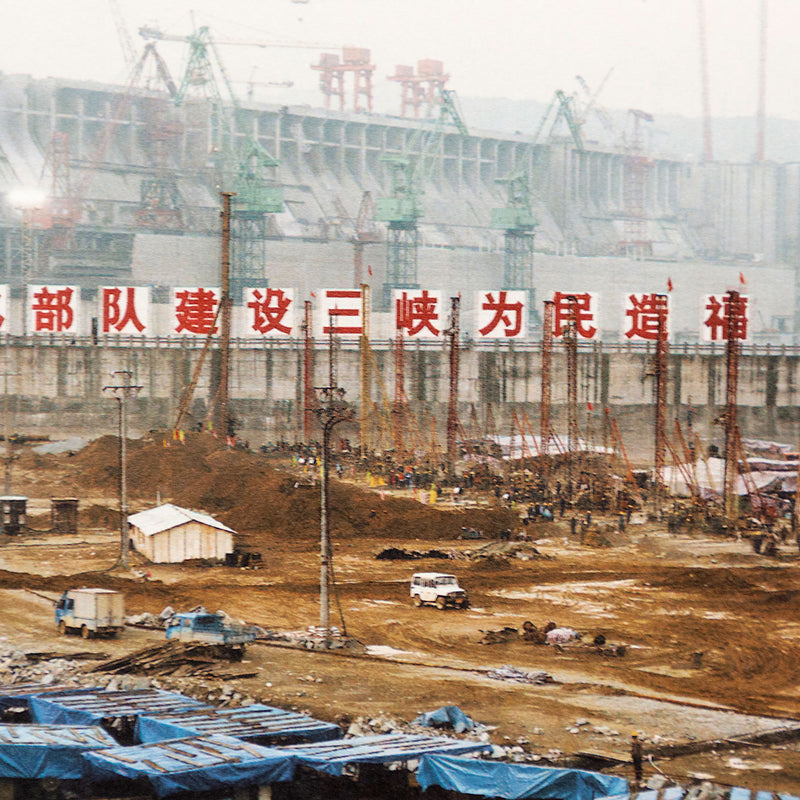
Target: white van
439	589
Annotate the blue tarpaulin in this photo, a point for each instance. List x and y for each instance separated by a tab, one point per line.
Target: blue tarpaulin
446	716
92	706
515	781
19	694
332	757
676	793
254	723
199	764
48	751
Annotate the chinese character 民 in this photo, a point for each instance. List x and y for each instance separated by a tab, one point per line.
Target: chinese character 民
195	311
719	316
502	311
52	310
270	309
584	314
645	311
113	314
417	314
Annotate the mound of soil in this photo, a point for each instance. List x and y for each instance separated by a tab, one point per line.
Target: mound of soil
243	490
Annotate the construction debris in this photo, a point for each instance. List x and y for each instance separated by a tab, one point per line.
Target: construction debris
517	675
499	637
179	659
399	554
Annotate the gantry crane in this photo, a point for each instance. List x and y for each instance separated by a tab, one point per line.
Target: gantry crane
516	218
410	172
242	164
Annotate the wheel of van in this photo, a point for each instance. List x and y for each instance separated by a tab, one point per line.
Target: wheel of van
441	603
85	632
416	600
62	627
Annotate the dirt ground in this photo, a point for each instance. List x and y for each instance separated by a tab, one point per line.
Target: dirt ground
667	597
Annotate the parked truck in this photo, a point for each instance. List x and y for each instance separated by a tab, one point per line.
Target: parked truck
204	626
90	612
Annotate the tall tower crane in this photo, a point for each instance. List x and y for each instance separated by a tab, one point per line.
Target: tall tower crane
410	172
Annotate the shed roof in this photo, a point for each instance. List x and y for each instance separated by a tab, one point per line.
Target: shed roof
163	518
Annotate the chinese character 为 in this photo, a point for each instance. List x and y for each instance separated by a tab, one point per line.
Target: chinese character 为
503	312
195	311
645	311
336	313
720	313
269	307
114	316
414	314
52	310
584	315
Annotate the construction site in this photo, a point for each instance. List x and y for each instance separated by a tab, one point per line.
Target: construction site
476	453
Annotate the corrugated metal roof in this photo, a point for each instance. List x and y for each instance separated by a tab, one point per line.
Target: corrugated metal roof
163	518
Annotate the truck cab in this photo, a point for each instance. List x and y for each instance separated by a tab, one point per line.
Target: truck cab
437	588
91	612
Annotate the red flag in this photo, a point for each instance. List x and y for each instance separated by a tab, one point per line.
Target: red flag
741	279
590	406
312	294
669	284
369	270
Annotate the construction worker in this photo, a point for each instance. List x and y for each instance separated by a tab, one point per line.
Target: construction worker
636	757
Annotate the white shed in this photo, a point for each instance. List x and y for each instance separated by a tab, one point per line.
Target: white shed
169	534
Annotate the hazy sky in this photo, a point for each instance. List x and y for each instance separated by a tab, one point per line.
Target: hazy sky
513	48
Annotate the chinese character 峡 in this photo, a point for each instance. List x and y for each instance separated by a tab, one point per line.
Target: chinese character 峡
416	314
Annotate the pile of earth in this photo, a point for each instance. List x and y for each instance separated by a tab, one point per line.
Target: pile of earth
245	491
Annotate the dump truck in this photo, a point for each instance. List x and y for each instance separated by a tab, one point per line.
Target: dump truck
204	626
439	589
90	612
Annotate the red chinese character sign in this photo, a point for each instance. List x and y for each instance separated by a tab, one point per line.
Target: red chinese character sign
5	294
53	309
642	315
716	315
418	313
500	314
340	312
270	312
585	305
194	311
124	310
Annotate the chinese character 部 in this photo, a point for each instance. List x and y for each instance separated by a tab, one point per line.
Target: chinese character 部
53	309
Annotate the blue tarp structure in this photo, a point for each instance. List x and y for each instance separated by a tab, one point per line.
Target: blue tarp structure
91	706
48	751
515	781
446	716
676	793
19	694
254	723
332	757
199	764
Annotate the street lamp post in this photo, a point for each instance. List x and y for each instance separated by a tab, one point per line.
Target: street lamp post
122	393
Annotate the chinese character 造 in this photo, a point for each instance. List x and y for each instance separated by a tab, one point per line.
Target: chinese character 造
415	314
270	306
719	314
645	311
52	311
348	309
503	312
195	311
113	315
584	315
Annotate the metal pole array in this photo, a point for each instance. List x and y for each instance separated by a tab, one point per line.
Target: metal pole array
733	327
223	425
661	369
452	334
308	372
399	392
122	392
547	366
366	376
